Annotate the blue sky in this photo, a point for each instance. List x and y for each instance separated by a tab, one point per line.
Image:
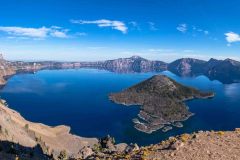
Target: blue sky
90	30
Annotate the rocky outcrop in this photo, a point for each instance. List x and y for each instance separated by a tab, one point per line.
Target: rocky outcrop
208	145
161	100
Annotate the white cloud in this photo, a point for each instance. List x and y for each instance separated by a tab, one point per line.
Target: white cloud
232	37
197	29
117	25
182	28
39	33
26	32
58	34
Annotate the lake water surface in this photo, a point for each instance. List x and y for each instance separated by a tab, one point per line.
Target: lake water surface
79	98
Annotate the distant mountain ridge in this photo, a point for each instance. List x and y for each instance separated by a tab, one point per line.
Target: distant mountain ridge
226	71
133	64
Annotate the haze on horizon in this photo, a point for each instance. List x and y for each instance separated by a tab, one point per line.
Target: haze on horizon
90	30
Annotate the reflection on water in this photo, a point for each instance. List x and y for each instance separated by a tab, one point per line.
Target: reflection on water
79	98
232	91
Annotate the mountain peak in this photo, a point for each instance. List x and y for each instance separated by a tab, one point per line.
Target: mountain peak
212	59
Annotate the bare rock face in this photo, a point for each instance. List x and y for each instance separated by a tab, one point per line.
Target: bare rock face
133	64
187	66
161	100
121	147
226	71
86	152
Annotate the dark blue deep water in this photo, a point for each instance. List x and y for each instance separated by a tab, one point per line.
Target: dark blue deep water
79	98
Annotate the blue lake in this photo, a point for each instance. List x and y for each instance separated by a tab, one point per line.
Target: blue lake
79	98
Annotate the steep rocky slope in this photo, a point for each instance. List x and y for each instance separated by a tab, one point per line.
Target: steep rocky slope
187	66
53	140
161	100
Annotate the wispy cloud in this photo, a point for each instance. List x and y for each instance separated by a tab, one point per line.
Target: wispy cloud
160	50
96	47
200	30
206	32
192	29
134	25
188	51
40	33
182	28
152	26
232	37
117	25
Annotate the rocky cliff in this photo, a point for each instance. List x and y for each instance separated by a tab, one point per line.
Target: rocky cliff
5	70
